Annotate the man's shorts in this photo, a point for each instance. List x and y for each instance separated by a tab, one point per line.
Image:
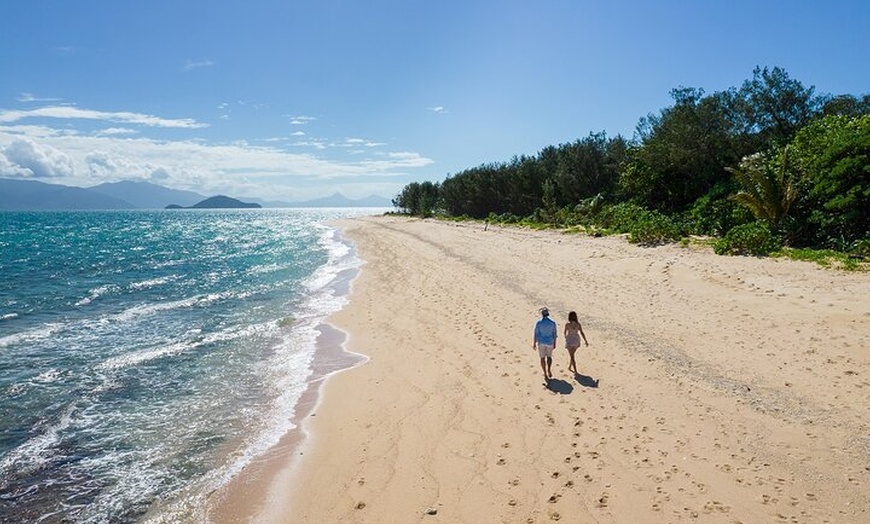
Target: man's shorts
545	350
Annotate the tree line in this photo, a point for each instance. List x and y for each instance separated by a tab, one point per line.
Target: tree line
764	165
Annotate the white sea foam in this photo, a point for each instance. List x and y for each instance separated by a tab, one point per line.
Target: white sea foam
128	360
266	328
35	451
31	336
340	259
8	316
153	282
96	293
152	308
48	376
267	268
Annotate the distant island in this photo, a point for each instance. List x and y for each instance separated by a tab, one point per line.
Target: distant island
218	202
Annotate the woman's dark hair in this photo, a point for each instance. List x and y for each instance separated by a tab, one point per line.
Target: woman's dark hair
572	317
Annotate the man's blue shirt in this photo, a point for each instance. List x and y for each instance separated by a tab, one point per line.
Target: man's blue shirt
545	332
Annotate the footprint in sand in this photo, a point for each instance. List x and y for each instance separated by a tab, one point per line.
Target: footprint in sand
715	505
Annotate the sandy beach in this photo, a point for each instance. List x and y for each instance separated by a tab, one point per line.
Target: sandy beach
714	389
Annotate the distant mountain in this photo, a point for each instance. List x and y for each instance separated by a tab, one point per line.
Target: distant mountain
145	195
29	195
22	195
218	202
339	200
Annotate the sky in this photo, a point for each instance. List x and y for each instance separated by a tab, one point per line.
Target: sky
296	99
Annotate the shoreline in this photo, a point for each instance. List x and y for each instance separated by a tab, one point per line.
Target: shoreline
715	388
251	491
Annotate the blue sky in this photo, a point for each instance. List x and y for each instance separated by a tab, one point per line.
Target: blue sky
291	100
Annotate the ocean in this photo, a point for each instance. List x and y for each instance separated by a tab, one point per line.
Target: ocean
146	357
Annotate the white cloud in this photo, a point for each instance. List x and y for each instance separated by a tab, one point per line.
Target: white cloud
301	120
404	159
24	157
101	162
437	109
190	65
115	131
51	142
240	168
350	142
30	97
73	113
310	143
10	170
159	175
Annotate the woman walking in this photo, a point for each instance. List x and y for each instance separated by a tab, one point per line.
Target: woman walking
573	334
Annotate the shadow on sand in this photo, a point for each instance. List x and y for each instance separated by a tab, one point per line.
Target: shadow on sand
559	386
585	381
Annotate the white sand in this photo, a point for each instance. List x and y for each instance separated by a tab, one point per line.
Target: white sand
729	389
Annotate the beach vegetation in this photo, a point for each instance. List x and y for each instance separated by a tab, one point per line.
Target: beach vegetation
834	154
768	185
754	238
826	258
753	168
654	229
419	198
716	213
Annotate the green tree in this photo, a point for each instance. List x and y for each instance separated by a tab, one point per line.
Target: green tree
420	199
588	167
550	208
834	154
773	106
846	105
768	186
681	153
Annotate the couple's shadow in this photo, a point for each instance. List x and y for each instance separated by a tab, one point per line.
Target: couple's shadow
585	381
565	388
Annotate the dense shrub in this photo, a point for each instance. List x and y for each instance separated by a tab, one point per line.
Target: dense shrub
715	213
653	229
861	248
754	238
621	217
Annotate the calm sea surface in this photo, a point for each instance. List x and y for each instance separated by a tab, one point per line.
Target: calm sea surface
147	356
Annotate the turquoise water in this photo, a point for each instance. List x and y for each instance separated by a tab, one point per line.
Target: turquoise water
147	356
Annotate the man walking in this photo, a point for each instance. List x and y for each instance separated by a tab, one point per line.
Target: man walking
544	341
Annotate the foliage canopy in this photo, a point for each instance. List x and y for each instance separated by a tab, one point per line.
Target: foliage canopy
770	154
